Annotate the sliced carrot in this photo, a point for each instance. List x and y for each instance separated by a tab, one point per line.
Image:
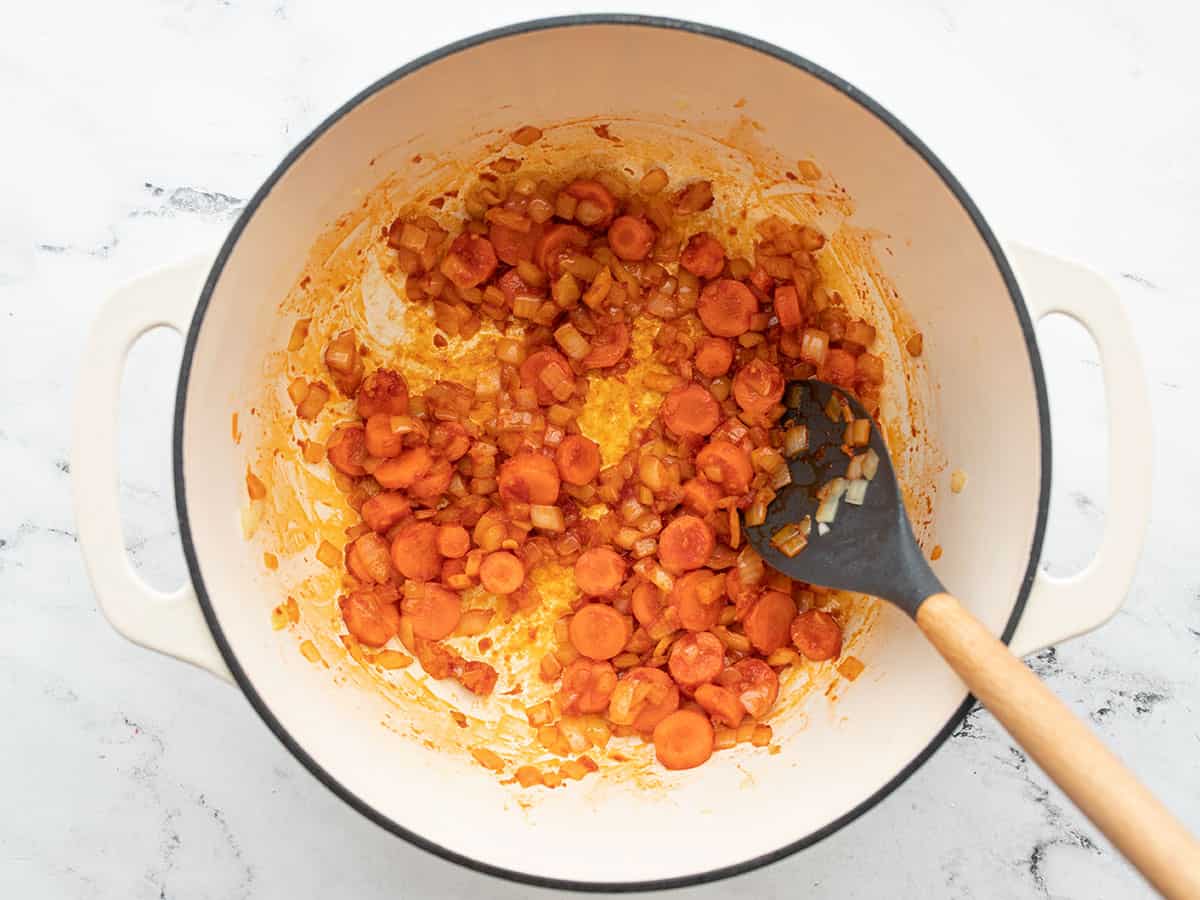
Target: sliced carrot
512	246
470	261
631	238
578	459
379	438
647	603
697	657
683	740
384	510
370	614
722	704
531	373
758	386
726	307
787	307
686	543
587	686
599	571
414	551
428	489
554	242
594	192
689	411
703	256
839	367
755	683
598	631
643	698
731	462
434	611
450	441
697	598
608	346
501	573
347	449
769	621
817	635
701	496
383	391
369	558
453	541
714	356
404	470
530	477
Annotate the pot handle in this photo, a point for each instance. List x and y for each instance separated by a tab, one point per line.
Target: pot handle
1061	608
170	623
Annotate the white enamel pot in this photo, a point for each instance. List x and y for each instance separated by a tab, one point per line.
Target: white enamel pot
975	299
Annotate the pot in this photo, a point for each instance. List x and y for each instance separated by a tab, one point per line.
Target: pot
975	300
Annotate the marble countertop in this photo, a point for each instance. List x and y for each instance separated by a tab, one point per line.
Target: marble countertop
134	132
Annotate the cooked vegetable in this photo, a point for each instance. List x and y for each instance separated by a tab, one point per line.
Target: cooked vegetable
468	489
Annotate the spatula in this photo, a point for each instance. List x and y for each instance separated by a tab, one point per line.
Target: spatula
852	533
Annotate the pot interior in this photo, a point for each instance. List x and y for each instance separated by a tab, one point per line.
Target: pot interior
695	102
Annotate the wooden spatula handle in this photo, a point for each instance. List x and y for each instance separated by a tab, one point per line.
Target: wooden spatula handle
1066	749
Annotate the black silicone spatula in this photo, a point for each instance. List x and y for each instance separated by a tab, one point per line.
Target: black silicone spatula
835	526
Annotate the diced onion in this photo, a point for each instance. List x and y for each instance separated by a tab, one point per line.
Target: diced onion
631	510
870	464
653	472
767	459
299	334
548	518
566	291
645	547
560	415
854	470
514	420
526	307
329	554
574	344
750	566
404	425
789	540
627	537
828	509
298	390
856	491
487	382
650	523
511	351
413	237
833	409
795	440
858	433
651	571
781	478
814	346
313	401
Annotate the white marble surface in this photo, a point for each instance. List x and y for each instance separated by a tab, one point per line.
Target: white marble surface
133	131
